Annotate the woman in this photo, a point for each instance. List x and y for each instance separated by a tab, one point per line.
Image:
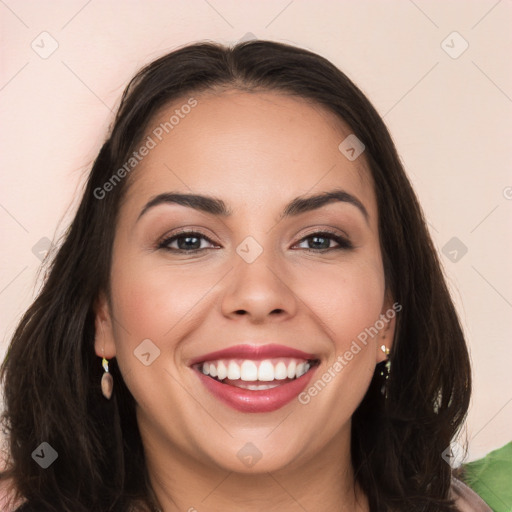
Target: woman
247	311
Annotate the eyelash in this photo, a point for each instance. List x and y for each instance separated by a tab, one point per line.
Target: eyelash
344	244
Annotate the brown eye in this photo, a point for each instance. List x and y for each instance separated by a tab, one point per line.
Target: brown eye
321	241
186	241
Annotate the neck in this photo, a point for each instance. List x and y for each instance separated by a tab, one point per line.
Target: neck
182	483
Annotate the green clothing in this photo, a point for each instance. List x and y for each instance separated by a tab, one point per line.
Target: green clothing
491	478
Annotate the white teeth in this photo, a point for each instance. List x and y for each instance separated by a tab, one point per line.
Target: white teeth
249	371
280	372
233	371
253	371
266	371
222	371
291	370
257	387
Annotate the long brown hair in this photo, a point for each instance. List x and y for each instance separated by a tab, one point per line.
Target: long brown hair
51	375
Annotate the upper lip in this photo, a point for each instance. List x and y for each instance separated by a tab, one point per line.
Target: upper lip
256	352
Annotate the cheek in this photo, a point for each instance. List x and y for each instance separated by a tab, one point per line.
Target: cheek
157	303
347	298
152	300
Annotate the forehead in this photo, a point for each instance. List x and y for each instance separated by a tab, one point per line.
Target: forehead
250	148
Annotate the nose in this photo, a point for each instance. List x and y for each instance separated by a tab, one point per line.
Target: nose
260	291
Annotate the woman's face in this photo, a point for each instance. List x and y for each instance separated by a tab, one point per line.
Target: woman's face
266	282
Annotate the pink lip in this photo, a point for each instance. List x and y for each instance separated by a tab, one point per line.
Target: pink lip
246	400
255	352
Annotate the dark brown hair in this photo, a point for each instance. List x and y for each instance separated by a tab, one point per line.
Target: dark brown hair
51	375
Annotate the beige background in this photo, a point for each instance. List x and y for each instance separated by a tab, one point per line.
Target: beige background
449	114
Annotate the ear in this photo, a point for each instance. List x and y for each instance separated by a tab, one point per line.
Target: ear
104	344
387	317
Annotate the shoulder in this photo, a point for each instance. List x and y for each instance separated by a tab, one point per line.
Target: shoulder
467	500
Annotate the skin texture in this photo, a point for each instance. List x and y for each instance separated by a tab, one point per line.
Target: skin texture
257	152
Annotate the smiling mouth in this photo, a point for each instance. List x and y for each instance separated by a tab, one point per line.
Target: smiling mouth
256	375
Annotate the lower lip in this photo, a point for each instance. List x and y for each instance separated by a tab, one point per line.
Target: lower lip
266	400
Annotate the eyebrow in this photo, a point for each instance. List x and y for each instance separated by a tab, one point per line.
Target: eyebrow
218	207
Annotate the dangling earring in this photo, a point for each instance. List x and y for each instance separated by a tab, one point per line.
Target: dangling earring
385	373
107	382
